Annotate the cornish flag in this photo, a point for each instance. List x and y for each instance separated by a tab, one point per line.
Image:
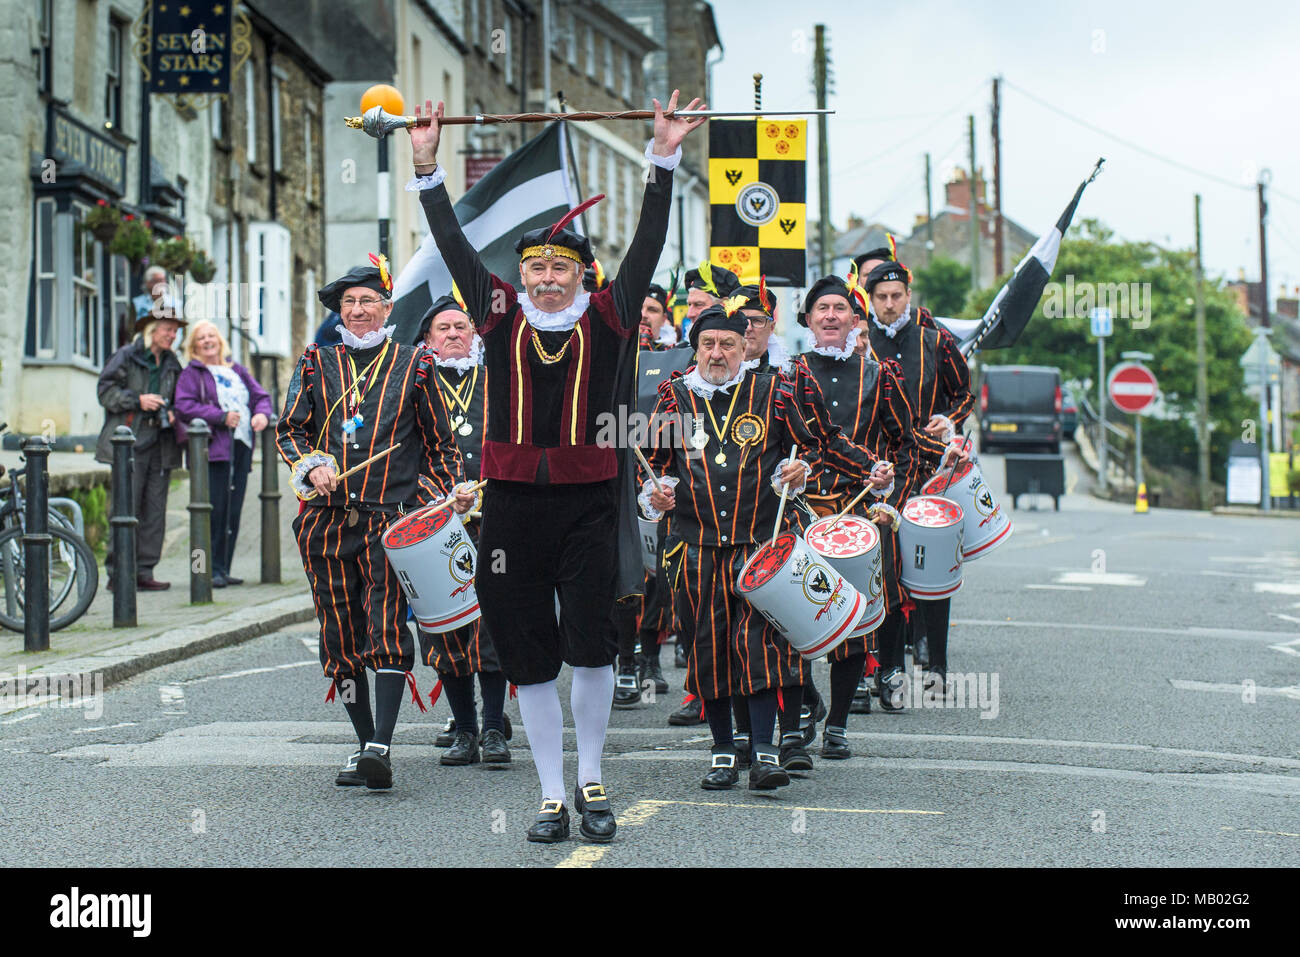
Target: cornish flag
1010	310
527	189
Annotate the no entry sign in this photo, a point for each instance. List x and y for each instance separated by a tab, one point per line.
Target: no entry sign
1132	387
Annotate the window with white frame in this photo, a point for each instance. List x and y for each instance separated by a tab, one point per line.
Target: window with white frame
277	132
250	111
609	63
85	288
510	49
113	79
591	50
119	301
308	153
627	75
269	287
220	119
571	41
629	201
593	186
611	186
46	300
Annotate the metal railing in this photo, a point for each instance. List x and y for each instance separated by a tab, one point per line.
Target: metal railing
1118	442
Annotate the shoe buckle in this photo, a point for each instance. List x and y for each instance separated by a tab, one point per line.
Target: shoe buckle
762	758
724	761
593	792
628	682
550	806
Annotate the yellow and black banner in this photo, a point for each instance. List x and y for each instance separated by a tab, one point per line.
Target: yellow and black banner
757	192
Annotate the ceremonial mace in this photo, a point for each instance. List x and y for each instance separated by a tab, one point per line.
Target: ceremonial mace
378	122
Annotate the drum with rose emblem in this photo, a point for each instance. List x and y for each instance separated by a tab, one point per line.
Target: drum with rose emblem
434	560
813	606
930	546
852	547
986	524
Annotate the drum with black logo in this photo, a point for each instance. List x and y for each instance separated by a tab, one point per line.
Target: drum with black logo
930	547
434	560
852	547
649	542
813	606
986	525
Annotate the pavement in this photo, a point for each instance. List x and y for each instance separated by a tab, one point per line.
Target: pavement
169	626
1131	699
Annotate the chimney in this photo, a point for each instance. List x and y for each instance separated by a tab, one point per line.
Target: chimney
957	193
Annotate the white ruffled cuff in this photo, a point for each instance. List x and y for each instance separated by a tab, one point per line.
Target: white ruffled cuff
643	498
420	183
884	492
949	430
888	510
663	162
302	468
776	478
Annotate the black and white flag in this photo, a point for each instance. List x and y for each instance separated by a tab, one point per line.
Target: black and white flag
528	189
1011	308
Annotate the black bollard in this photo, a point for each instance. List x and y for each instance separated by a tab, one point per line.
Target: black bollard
36	548
200	508
123	524
270	496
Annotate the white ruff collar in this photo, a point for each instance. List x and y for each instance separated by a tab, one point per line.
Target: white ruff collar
667	335
841	354
561	321
372	338
891	330
778	356
466	363
705	390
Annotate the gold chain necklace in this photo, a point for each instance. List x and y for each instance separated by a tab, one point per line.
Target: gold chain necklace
545	356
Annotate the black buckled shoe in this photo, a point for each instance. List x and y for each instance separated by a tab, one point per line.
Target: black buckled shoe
890	686
651	671
679	655
464	750
348	776
597	824
835	745
447	736
690	713
861	697
793	756
767	773
627	693
494	747
722	772
375	766
744	753
551	824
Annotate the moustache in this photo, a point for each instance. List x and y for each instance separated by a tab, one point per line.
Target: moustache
546	287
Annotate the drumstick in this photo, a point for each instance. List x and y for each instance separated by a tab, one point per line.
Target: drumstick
649	471
356	468
848	508
785	486
452	497
953	471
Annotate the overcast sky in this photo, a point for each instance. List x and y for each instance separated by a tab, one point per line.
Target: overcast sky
1212	86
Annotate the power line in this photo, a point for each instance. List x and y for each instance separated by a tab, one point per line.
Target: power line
908	139
1130	144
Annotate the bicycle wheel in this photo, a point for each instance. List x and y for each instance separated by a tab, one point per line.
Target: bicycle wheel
72	571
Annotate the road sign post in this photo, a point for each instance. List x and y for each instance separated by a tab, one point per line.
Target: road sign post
1101	328
1133	389
1262	366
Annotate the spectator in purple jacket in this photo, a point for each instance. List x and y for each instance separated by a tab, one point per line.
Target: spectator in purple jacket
226	396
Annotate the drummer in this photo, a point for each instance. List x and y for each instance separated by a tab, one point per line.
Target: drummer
447	332
936	381
346	403
746	422
864	398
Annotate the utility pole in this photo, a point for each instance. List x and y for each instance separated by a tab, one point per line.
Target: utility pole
821	68
1265	427
1202	380
929	215
974	211
997	176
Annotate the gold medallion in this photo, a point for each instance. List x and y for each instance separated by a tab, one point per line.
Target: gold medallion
720	458
747	428
465	429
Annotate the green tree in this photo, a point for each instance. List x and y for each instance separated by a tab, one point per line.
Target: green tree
1164	325
942	286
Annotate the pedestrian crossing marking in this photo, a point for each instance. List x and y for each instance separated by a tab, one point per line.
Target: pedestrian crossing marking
795	807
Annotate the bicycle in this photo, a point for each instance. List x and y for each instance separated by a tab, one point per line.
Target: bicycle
72	570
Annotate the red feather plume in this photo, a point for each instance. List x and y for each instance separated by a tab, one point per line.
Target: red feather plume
573	214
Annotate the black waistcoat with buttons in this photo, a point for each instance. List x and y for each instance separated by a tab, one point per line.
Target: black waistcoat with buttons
916	349
849	387
457	388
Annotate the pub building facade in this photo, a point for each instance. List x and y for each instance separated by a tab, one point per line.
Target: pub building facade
240	178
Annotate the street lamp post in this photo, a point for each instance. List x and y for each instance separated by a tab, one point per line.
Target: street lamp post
383	95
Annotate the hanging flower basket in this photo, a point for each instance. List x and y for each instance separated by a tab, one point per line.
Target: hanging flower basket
202	268
133	239
174	255
103	221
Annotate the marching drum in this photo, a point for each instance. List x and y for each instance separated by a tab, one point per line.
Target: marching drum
649	542
808	602
930	547
986	525
434	560
852	548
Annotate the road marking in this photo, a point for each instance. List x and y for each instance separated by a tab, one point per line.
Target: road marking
1100	578
172	697
1061	587
21	717
1278	588
1291	691
104	727
311	644
1218	574
797	807
250	671
1252	830
1191	631
1288	648
1292	618
591	854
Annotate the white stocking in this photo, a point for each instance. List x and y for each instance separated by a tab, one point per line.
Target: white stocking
591	699
539	706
